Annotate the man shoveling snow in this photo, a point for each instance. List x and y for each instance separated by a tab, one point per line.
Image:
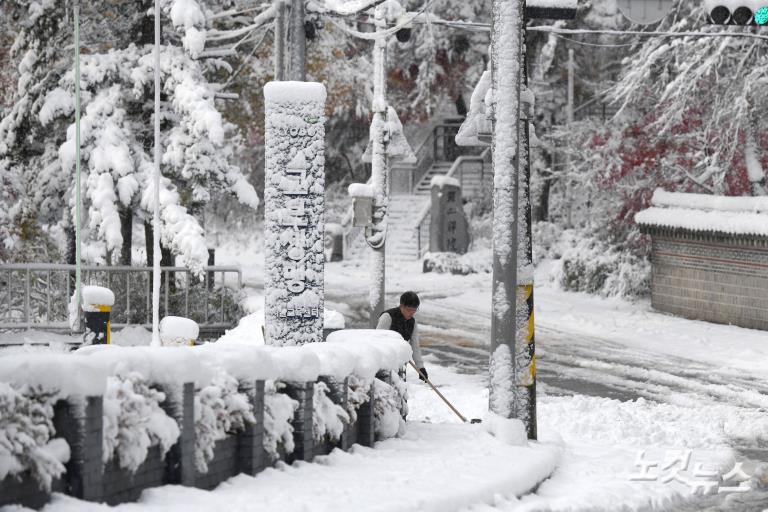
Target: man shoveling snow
401	320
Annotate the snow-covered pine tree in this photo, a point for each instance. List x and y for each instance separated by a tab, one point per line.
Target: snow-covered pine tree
37	136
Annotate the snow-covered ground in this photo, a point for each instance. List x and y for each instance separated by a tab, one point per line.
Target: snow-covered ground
615	379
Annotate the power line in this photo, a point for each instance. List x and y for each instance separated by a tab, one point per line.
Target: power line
557	30
575	41
486	27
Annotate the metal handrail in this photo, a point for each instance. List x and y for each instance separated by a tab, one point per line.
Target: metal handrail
456	164
421	224
47	300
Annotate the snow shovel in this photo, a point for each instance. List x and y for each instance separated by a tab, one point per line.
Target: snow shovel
449	404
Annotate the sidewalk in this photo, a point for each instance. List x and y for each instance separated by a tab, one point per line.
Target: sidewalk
434	467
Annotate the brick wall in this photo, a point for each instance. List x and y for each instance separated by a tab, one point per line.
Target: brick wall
711	277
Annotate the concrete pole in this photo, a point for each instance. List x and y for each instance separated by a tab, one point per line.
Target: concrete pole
569	121
298	42
506	48
379	173
280	41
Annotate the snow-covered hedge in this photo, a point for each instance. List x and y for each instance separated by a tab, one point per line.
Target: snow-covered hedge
593	266
278	413
328	418
26	435
220	409
388	421
134	421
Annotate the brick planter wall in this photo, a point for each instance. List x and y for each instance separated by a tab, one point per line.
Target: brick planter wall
224	464
81	423
120	485
717	278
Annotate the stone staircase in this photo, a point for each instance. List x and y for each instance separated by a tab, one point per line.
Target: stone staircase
408	227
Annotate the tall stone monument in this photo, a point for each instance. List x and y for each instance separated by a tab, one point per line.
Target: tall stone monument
294	205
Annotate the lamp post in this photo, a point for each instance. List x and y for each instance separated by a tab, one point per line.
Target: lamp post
377	233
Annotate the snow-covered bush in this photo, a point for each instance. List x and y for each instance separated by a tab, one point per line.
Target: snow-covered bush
386	410
547	240
134	420
328	418
278	413
357	395
402	393
220	409
478	262
593	266
26	435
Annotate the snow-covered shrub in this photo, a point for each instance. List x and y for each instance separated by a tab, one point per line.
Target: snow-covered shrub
386	410
357	395
278	413
220	409
402	393
547	240
26	435
463	264
134	420
593	266
328	418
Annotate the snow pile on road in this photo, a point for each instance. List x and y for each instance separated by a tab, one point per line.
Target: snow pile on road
699	212
26	435
508	430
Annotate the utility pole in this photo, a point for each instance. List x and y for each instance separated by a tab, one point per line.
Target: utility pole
279	40
506	52
525	347
376	238
298	42
569	121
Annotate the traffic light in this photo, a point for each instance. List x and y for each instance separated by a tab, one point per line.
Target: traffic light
745	15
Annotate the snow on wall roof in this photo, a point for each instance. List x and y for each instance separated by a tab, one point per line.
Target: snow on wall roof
294	91
701	212
560	4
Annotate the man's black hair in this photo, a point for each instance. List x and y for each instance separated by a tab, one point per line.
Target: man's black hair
410	300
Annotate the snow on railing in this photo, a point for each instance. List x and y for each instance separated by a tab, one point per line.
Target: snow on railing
232	405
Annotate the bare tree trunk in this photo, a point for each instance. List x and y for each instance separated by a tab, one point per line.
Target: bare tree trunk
149	242
126	229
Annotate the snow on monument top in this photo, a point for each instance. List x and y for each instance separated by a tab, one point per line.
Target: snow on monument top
707	213
294	91
442	181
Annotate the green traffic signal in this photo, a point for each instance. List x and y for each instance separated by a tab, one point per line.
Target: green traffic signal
761	16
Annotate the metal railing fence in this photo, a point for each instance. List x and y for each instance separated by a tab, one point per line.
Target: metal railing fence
37	295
